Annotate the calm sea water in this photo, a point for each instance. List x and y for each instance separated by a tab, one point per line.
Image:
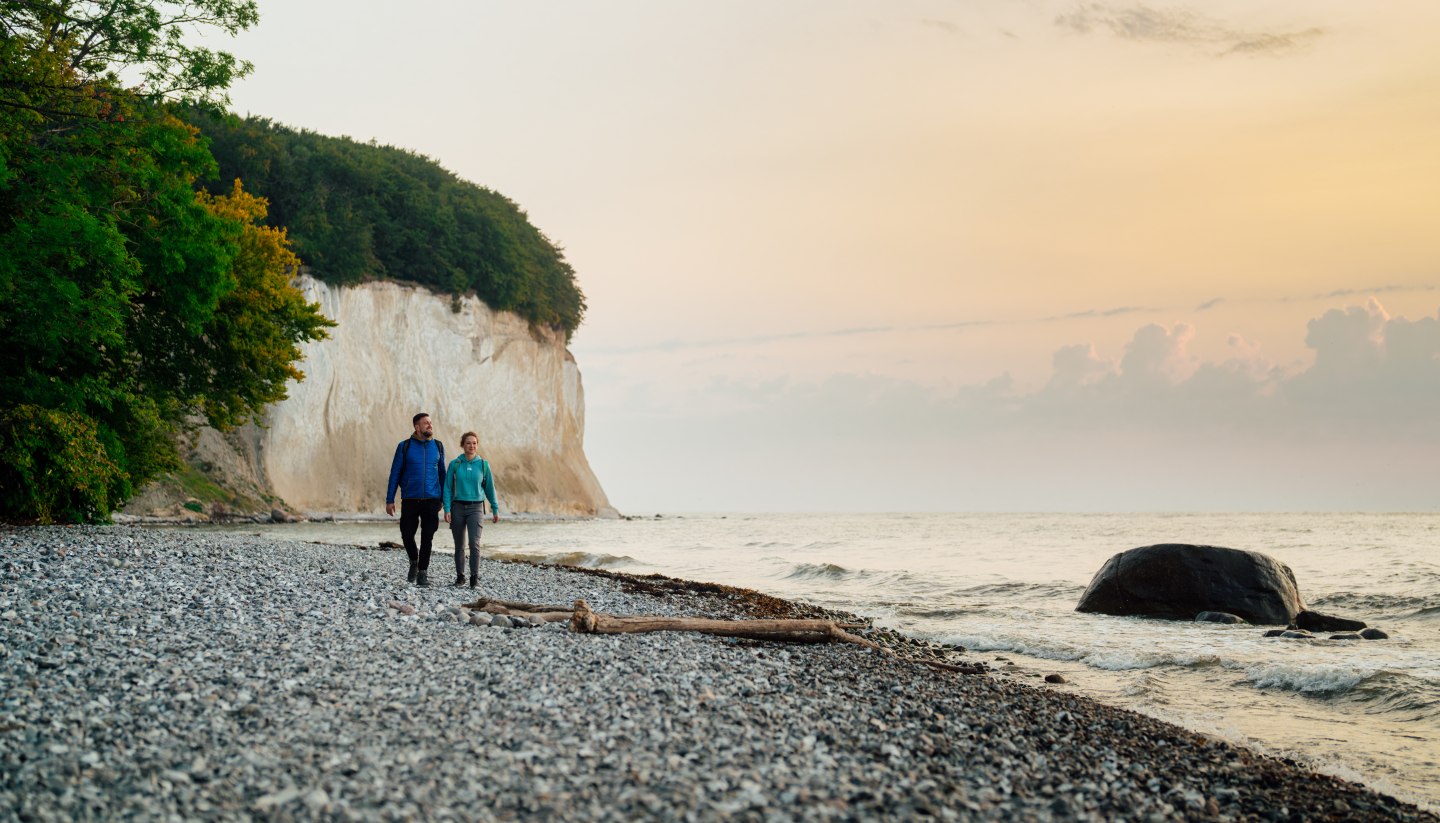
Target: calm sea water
1006	585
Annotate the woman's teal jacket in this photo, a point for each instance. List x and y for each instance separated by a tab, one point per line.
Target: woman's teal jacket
469	480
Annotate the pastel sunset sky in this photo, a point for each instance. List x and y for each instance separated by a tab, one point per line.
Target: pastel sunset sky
972	255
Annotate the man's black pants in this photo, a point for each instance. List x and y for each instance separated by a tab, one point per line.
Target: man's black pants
425	513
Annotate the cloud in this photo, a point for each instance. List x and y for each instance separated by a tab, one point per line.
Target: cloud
1076	366
1368	291
1144	24
942	25
1157	355
1374	290
1152	428
781	337
1271	44
1374	376
1112	312
1370	366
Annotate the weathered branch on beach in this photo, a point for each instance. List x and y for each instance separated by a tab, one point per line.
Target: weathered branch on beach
513	608
585	621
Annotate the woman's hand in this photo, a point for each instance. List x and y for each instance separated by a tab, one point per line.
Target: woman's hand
447	517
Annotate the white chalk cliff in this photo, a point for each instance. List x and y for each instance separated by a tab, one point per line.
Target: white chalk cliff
398	350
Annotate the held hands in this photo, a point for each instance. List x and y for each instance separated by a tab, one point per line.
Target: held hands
447	517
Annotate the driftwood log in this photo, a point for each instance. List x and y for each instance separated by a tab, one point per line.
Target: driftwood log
585	621
545	614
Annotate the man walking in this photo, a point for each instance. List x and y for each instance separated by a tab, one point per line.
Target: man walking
418	471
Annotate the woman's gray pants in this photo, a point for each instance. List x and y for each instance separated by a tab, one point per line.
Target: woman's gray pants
465	517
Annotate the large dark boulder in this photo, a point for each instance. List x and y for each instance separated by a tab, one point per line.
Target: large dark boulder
1317	622
1177	581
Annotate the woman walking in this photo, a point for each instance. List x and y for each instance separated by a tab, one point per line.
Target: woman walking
468	485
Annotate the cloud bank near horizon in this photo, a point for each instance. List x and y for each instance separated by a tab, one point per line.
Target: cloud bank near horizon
1153	428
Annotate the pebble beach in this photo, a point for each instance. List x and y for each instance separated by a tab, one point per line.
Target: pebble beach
197	675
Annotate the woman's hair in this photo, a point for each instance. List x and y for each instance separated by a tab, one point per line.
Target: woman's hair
469	434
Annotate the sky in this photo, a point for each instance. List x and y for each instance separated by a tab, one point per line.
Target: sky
956	255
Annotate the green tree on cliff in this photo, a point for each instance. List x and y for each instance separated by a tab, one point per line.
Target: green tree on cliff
129	300
359	211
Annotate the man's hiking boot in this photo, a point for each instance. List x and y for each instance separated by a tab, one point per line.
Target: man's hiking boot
410	578
422	578
459	579
473	581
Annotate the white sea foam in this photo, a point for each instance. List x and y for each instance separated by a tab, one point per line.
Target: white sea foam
1308	679
1126	660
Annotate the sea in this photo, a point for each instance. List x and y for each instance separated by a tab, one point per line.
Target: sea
1004	586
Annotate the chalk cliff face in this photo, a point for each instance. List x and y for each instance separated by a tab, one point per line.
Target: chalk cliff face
398	350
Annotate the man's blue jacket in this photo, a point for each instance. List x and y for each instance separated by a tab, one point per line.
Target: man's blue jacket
418	470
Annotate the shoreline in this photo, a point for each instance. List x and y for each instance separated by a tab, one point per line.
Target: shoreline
289	518
247	676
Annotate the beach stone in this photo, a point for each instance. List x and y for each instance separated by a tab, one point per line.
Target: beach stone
1275	633
1176	581
1346	636
1055	678
1218	617
1374	634
1317	622
1297	634
500	620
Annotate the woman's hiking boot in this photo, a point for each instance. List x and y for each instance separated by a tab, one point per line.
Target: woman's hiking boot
473	580
422	578
459	579
410	578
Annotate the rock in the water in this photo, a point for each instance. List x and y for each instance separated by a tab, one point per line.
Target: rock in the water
1176	581
1296	634
1374	634
1218	617
1275	633
1317	622
1055	678
1346	636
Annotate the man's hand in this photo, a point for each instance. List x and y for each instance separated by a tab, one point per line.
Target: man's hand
390	509
495	517
447	517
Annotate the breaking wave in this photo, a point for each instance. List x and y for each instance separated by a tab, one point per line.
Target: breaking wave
587	560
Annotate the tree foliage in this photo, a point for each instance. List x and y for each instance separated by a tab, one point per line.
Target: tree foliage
108	45
358	211
129	300
252	342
